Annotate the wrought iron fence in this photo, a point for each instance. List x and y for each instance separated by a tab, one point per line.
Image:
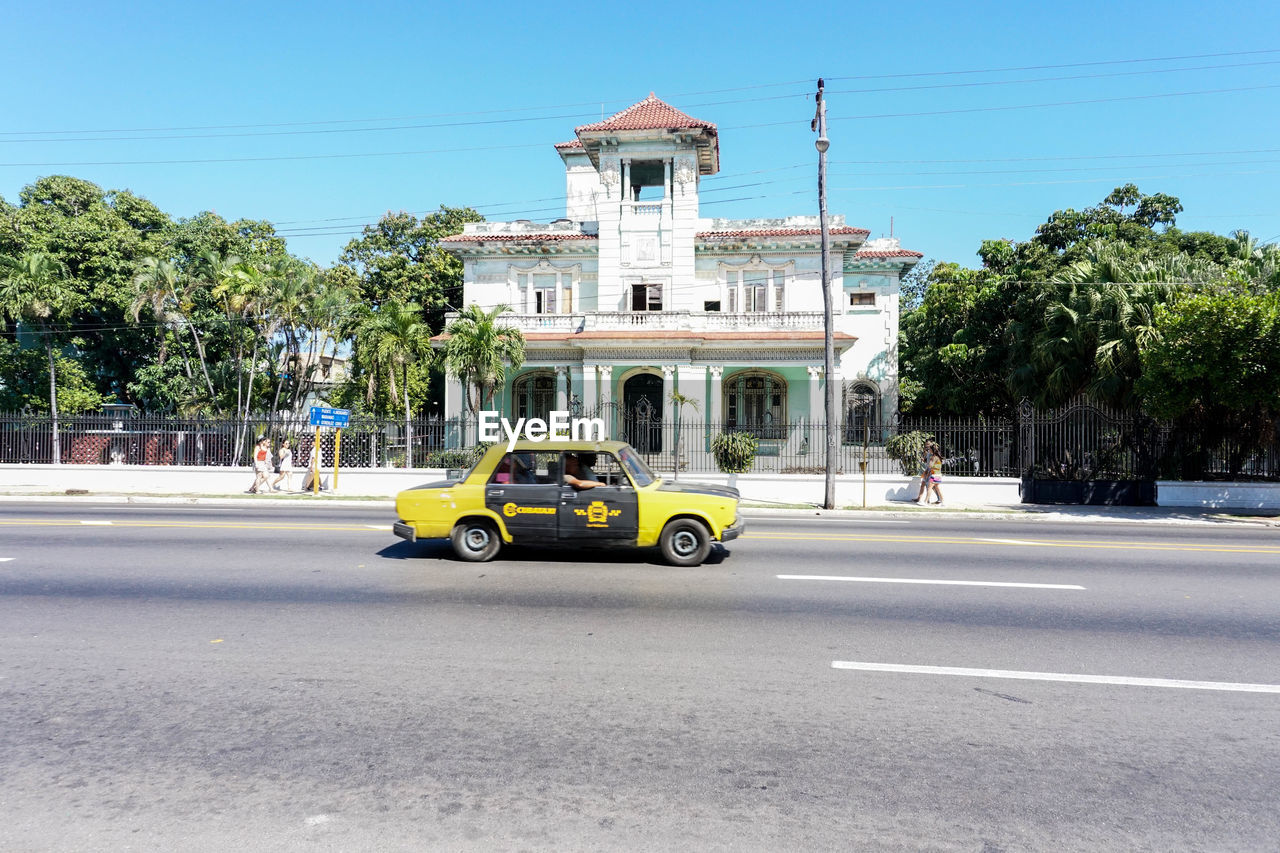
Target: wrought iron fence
1079	441
149	439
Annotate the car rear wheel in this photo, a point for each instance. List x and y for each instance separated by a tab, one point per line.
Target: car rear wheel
685	542
475	540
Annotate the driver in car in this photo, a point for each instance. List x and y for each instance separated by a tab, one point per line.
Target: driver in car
577	474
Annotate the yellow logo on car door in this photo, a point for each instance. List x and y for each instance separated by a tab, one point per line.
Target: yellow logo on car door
598	514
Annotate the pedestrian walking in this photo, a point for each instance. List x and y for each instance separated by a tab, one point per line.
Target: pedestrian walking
284	468
261	466
924	474
935	472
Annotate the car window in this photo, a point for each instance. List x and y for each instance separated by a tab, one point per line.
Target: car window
635	466
527	468
603	468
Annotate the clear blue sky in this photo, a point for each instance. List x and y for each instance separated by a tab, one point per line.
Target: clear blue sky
320	117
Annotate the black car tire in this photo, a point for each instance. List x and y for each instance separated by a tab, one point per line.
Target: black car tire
475	540
685	542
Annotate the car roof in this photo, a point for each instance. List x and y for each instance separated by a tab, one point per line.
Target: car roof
526	446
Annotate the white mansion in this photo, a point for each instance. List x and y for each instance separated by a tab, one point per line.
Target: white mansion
632	296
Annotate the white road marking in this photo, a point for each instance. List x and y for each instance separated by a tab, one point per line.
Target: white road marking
5	559
1009	541
829	519
97	523
1124	680
378	526
318	820
928	581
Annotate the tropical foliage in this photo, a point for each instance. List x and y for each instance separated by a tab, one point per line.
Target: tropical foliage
479	350
1081	308
207	316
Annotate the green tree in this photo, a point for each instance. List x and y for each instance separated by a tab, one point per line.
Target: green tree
32	290
399	259
1213	366
164	289
98	237
24	381
478	351
392	340
953	348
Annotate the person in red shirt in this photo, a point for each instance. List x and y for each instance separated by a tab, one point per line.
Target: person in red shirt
261	466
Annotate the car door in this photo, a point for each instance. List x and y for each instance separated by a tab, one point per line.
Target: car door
525	497
604	513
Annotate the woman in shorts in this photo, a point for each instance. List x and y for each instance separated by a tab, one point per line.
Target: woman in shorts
284	470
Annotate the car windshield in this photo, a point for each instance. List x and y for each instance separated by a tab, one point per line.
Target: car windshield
635	466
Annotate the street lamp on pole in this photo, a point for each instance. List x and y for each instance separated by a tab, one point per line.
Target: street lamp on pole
822	143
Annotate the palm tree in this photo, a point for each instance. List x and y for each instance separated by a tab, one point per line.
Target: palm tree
161	286
391	340
31	290
479	350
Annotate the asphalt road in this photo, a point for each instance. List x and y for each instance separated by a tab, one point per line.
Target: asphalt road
284	678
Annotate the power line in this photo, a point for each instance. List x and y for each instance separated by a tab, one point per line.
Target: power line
595	101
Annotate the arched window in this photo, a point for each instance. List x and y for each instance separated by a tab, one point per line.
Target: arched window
756	403
861	412
534	395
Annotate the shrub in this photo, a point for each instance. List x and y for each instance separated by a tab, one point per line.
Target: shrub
734	452
908	450
460	457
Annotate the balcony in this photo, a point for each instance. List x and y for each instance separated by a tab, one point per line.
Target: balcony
664	321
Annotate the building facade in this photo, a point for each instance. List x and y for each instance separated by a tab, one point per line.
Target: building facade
631	295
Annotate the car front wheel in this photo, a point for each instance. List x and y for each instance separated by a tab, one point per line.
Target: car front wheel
475	540
685	542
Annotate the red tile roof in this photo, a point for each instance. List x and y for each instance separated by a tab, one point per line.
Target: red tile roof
887	253
650	114
533	238
779	232
572	143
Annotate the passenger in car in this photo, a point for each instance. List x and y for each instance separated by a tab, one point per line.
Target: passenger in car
575	476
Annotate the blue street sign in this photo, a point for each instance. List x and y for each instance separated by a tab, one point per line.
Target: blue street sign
321	416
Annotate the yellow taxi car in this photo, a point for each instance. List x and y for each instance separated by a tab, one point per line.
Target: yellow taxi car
590	493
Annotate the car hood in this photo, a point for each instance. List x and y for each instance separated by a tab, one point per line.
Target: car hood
699	489
439	484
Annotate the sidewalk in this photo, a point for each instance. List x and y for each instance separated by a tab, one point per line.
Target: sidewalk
903	510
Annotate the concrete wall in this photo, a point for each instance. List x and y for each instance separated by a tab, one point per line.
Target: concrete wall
774	489
777	489
1213	495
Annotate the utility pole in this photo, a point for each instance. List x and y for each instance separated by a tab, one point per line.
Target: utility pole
819	124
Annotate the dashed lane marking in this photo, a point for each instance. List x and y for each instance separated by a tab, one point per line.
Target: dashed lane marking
923	539
1123	680
188	525
939	582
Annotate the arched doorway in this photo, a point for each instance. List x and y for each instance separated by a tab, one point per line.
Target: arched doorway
862	413
642	412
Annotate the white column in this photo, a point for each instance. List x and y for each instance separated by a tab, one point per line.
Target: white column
605	393
716	398
665	409
590	389
816	401
454	399
606	383
562	388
